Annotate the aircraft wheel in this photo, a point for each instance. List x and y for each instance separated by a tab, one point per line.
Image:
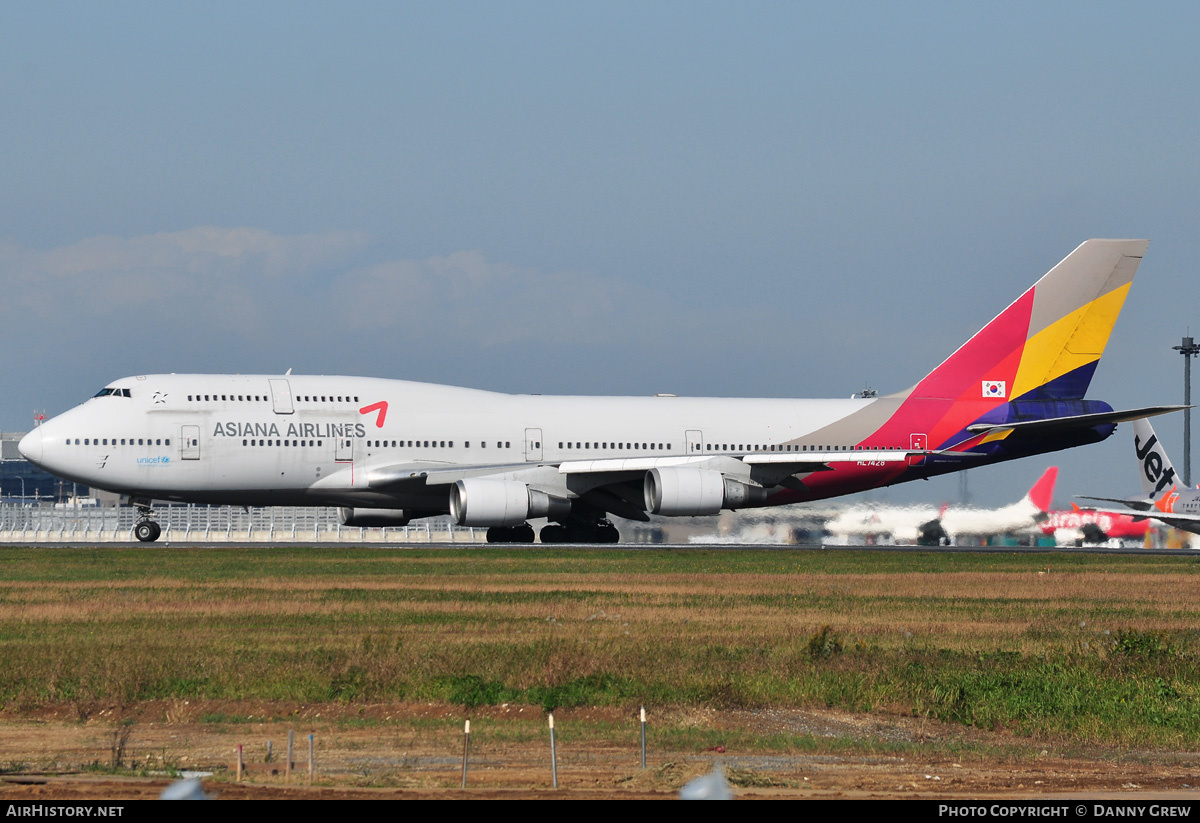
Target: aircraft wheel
553	534
147	531
608	534
510	534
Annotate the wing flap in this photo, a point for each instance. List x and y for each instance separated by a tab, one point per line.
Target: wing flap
436	474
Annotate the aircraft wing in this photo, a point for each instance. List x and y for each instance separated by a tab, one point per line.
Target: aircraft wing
1073	422
616	484
784	464
803	461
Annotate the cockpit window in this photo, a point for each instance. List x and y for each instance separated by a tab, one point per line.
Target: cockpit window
113	393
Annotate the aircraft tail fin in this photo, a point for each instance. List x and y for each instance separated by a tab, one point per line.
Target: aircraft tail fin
1154	467
1034	360
1048	341
1042	493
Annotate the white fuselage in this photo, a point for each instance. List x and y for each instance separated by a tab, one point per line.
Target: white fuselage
308	440
904	524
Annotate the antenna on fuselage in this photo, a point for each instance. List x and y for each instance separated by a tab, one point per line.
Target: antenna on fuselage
287	373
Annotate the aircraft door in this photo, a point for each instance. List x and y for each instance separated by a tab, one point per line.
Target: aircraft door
533	445
189	443
344	452
695	441
281	396
917	442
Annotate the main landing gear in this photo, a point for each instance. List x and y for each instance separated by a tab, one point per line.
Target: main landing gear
146	530
578	531
510	534
573	531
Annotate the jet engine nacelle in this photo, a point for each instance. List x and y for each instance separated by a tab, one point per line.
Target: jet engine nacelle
691	492
374	517
480	501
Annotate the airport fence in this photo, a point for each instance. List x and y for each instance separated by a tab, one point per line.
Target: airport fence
215	524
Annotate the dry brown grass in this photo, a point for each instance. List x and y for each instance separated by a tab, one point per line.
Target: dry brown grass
689	629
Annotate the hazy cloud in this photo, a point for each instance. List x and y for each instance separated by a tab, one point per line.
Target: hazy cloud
206	272
491	303
308	288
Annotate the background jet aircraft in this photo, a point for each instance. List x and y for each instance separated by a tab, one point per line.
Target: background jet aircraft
1164	498
928	526
389	451
1078	526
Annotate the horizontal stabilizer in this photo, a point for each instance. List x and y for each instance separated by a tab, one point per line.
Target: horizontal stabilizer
1127	506
1073	422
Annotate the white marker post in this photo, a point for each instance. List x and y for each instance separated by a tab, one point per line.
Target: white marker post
553	754
643	738
466	748
241	764
287	770
311	762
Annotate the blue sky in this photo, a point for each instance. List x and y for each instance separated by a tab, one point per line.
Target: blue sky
752	199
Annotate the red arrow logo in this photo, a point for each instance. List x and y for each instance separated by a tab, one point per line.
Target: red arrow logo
380	407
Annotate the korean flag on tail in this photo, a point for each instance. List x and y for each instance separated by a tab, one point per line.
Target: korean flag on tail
994	388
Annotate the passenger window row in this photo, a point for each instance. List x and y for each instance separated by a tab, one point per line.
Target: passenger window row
618	446
123	441
743	449
313	398
256	442
256	398
431	444
251	398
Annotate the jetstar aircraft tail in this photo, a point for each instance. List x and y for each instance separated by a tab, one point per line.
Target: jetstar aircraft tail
1021	379
1164	496
1153	465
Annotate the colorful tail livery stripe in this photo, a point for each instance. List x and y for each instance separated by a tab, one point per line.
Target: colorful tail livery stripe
1034	360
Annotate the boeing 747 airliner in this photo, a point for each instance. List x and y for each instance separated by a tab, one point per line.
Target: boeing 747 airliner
389	451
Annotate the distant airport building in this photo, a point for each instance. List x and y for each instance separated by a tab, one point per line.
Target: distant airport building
21	481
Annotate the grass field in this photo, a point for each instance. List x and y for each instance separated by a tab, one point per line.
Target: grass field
1085	649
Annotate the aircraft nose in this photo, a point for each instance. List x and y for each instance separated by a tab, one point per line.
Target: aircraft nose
31	446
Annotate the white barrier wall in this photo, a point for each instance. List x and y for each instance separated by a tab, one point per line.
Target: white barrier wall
214	524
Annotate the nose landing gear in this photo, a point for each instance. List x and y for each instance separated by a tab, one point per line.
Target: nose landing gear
145	529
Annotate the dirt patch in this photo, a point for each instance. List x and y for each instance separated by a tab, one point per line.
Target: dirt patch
406	750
